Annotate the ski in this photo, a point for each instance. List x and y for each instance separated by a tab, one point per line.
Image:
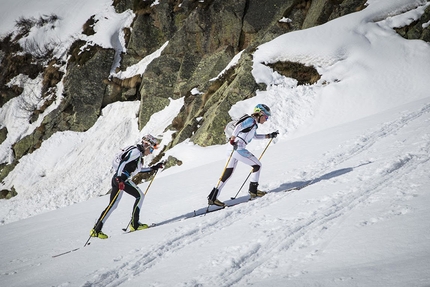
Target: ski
72	250
149	226
204	211
298	187
88	243
67	252
293	188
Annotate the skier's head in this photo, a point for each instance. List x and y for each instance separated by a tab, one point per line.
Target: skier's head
262	108
262	113
149	143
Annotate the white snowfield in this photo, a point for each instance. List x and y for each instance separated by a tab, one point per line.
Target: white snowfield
360	138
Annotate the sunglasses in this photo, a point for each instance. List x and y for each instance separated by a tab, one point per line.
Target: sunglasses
150	147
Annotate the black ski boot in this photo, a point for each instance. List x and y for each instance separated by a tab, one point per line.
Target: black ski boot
254	192
212	198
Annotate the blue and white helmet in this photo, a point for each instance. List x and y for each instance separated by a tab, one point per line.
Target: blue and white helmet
262	108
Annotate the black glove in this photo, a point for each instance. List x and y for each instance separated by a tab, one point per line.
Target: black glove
157	166
273	135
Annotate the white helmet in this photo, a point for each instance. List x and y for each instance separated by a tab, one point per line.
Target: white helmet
150	140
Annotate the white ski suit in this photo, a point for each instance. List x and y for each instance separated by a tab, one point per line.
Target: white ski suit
241	153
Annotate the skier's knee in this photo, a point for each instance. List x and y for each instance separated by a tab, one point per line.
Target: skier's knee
227	174
255	168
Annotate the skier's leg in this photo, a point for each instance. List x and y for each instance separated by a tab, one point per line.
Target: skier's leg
213	196
113	203
246	157
227	173
132	189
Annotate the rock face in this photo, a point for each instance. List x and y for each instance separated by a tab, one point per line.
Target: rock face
84	88
209	36
84	91
416	29
203	37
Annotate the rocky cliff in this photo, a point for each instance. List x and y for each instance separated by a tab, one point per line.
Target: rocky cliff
203	37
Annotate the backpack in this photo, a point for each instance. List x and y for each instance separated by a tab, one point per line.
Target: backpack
229	128
120	156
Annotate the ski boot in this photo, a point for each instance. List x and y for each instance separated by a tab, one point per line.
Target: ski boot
140	226
212	198
253	192
99	234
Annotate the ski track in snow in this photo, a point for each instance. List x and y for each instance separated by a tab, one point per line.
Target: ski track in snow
307	230
304	231
366	141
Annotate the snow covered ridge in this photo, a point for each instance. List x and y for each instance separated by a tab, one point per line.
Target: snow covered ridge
57	22
362	75
46	31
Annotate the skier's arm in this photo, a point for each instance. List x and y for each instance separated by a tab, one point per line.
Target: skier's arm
152	168
145	169
260	136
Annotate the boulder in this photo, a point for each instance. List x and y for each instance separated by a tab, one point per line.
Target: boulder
8	194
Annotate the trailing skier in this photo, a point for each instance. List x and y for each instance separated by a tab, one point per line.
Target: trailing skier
243	133
131	163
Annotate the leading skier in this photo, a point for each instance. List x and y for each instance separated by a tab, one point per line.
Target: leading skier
242	135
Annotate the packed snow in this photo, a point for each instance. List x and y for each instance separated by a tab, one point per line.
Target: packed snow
359	140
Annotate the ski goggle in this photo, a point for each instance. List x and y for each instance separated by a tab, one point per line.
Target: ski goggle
150	146
262	114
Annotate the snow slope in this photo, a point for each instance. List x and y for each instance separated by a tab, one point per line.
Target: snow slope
363	222
360	136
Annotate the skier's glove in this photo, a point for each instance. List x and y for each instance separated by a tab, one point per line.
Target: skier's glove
157	166
233	143
273	135
121	184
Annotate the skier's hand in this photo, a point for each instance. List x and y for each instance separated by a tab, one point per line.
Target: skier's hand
233	143
157	166
121	184
273	135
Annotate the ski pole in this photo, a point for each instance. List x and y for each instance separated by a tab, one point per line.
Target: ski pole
104	214
146	191
251	171
219	181
228	161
